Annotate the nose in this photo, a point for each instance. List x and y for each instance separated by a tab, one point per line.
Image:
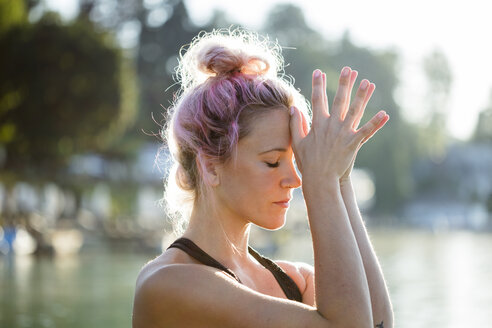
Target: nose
291	179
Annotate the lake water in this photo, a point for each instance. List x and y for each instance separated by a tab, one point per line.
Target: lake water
435	280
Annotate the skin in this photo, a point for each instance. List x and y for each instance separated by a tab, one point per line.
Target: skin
344	289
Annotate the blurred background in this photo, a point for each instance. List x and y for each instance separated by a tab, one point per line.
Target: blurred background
83	89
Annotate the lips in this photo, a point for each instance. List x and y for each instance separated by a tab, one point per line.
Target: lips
283	203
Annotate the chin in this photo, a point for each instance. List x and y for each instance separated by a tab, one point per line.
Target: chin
272	224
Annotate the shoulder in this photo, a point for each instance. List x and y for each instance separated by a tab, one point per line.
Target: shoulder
300	272
190	295
168	272
161	290
303	275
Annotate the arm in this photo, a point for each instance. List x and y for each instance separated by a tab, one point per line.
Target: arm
380	302
381	306
166	298
323	154
341	288
195	296
191	295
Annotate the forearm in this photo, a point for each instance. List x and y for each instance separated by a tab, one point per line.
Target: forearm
380	301
341	287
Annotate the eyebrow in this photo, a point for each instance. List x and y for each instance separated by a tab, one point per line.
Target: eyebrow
274	149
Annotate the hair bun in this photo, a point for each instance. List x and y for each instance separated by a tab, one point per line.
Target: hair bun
227	52
216	59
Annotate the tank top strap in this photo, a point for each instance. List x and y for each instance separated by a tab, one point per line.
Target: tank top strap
200	255
288	285
290	288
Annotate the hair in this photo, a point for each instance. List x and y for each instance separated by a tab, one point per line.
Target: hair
228	79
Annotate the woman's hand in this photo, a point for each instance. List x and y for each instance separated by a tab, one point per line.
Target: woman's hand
330	147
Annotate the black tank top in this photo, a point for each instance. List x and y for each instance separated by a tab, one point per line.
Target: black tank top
286	283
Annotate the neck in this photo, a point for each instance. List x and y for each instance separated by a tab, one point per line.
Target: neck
219	233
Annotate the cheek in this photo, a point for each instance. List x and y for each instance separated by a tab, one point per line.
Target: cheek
252	184
249	184
262	180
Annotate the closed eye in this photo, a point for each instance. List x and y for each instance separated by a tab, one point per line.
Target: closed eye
276	164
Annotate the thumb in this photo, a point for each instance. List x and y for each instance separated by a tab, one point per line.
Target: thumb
297	130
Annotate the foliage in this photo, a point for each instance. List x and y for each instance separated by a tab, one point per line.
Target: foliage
388	156
12	12
434	135
62	93
157	57
67	89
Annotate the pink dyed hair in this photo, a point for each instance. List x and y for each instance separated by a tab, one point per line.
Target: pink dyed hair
228	79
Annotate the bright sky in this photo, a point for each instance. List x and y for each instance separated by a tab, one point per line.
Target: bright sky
460	29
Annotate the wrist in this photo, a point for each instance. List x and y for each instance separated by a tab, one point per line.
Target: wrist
320	186
320	179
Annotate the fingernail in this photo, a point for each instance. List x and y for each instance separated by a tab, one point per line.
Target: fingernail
381	114
317	73
364	84
345	71
291	110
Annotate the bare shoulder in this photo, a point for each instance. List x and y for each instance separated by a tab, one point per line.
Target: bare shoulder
190	295
161	289
303	275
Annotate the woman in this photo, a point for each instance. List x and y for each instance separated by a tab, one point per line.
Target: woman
234	133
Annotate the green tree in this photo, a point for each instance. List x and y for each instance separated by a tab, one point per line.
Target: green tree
302	47
439	78
64	90
390	154
158	53
12	12
164	26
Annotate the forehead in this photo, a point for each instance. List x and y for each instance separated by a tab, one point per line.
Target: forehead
269	130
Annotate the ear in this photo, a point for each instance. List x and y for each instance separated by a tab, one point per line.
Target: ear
208	170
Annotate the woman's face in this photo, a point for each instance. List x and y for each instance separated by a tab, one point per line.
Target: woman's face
256	186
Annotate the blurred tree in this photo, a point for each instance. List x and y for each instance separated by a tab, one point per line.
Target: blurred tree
483	130
65	90
12	13
159	48
219	20
302	47
163	27
438	72
389	155
434	136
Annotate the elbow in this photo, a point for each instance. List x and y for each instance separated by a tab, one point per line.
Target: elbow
389	316
348	321
389	323
386	321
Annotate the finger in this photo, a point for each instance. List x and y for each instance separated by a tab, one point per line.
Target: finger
317	100
297	130
380	125
356	109
372	87
305	126
353	77
340	100
371	127
325	97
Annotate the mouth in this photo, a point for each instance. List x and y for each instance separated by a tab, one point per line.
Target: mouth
283	203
